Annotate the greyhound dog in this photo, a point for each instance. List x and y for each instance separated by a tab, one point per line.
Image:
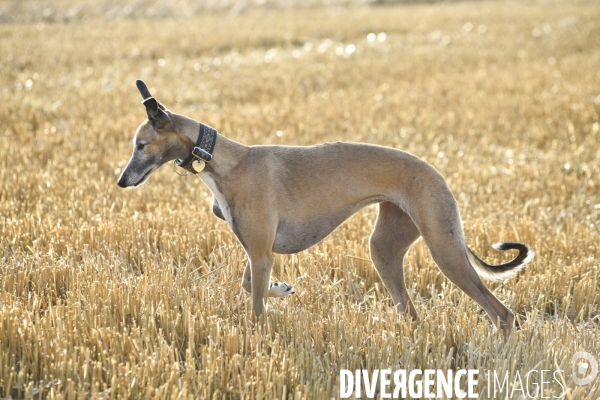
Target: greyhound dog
285	199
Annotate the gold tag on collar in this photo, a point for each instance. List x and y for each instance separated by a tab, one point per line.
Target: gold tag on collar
198	165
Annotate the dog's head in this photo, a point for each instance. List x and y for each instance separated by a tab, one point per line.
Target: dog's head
159	139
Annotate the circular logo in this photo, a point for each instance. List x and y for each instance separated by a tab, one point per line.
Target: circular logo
585	368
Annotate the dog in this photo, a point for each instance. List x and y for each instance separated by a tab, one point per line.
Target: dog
285	199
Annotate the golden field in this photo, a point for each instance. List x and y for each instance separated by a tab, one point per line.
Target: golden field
111	293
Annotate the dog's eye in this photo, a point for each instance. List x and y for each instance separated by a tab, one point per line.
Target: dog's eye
140	146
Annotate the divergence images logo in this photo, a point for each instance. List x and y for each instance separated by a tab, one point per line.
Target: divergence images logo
585	368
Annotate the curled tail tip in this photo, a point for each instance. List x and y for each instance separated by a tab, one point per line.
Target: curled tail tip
510	246
524	251
530	255
506	270
498	246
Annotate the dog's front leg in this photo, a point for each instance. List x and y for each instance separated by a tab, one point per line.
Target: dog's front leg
247	278
277	289
261	276
255	226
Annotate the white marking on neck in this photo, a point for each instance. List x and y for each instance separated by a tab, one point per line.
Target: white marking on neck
210	183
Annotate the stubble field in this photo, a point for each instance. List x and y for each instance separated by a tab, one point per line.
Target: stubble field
112	293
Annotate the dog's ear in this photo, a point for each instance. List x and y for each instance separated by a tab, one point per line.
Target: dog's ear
143	89
156	113
155	110
152	108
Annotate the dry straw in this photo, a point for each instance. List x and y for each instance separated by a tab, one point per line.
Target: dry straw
111	293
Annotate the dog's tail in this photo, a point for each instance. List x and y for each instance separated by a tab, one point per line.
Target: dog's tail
502	271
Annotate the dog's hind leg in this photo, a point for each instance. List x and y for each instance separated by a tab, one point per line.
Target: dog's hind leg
443	234
393	235
455	265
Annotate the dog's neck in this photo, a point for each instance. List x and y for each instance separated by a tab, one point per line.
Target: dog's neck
226	154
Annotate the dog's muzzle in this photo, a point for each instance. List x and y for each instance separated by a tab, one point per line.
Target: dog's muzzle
122	182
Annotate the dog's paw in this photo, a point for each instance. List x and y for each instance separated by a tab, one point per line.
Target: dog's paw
280	289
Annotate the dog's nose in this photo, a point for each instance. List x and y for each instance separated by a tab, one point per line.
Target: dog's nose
121	182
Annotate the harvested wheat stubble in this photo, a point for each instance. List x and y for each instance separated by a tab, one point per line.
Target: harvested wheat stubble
107	293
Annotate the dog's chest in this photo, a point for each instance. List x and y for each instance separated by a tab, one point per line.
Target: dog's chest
213	187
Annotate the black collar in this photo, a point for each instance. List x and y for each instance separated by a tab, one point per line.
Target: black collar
203	149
